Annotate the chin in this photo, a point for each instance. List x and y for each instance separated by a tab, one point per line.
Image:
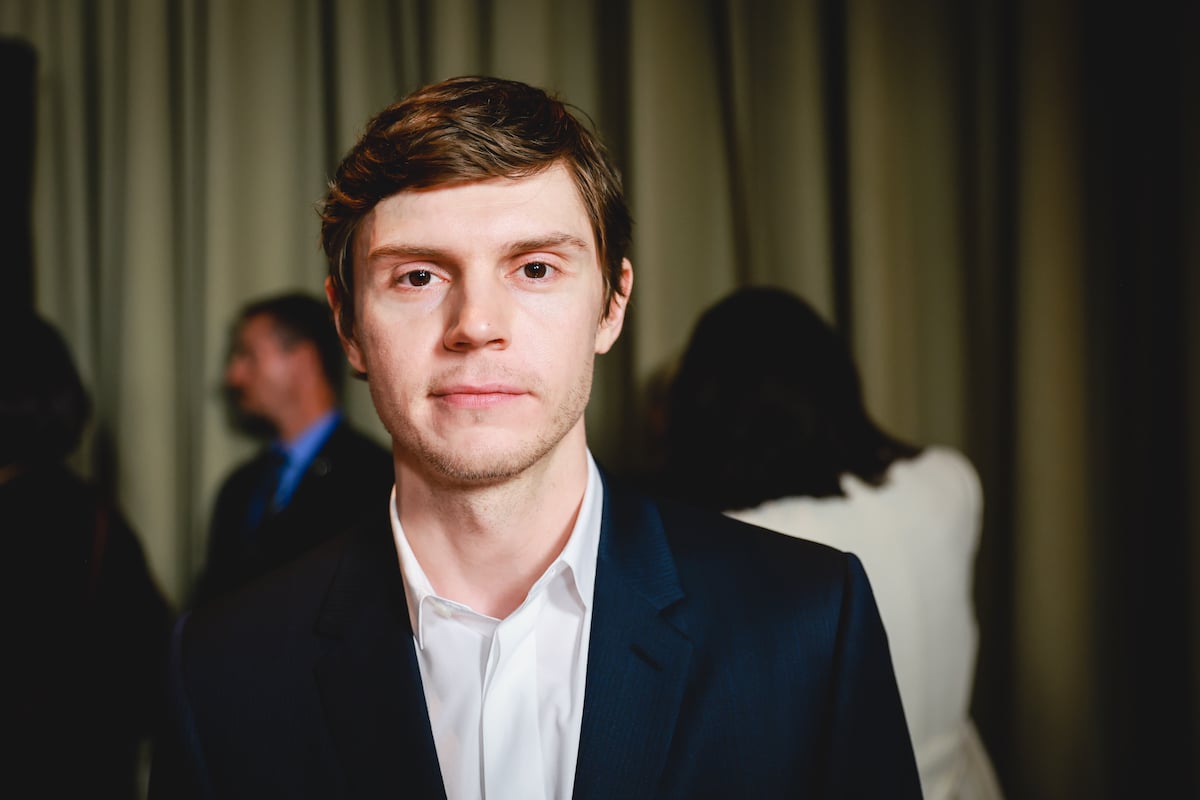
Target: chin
484	455
481	471
249	423
480	464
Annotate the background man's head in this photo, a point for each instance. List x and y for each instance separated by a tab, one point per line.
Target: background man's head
285	364
468	129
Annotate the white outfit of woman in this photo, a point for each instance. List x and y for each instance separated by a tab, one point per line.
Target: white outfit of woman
916	536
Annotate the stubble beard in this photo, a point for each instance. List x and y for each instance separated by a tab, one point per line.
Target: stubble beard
474	468
244	420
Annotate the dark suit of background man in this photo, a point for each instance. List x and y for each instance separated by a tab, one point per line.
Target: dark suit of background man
284	379
517	624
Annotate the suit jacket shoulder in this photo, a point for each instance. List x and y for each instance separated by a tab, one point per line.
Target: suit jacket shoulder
302	684
748	665
724	661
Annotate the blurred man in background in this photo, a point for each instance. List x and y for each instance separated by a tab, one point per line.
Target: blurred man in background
284	383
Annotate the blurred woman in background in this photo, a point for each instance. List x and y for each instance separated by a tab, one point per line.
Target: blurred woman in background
765	421
87	625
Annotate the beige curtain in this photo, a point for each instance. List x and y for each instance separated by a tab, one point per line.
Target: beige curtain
864	154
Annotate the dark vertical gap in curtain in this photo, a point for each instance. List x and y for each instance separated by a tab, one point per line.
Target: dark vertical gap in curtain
204	50
55	140
92	160
183	299
331	110
111	191
988	59
394	16
832	16
18	95
397	28
187	32
719	29
483	32
1137	369
613	120
425	55
65	188
614	84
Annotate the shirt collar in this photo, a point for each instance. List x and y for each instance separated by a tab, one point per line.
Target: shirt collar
302	448
577	561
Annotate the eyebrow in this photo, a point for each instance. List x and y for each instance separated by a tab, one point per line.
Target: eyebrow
551	241
405	251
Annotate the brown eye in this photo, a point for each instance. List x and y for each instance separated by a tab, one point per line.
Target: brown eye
420	277
536	270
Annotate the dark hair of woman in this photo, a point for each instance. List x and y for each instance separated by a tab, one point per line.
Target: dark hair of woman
43	405
767	403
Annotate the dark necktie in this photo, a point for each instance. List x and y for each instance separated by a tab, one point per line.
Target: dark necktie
269	473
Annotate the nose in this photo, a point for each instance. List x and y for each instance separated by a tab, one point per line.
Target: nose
480	314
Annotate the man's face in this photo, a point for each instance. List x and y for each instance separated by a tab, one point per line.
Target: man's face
480	309
260	374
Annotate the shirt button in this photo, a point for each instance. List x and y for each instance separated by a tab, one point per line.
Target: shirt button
444	611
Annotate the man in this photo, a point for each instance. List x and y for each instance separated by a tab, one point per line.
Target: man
513	623
284	380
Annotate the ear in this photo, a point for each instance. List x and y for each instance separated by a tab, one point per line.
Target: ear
353	354
614	318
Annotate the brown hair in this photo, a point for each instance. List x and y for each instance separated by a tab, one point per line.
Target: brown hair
464	129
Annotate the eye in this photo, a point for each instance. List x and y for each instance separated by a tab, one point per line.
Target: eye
536	270
418	277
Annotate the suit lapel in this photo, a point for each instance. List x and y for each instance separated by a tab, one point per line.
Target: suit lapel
638	658
369	680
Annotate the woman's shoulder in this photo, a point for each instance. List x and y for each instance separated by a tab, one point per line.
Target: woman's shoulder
944	471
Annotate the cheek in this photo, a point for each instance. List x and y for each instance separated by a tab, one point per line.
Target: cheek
392	361
379	353
567	351
575	320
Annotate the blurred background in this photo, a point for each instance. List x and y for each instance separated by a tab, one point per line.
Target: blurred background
997	202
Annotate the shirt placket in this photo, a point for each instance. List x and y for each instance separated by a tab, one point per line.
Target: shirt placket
510	734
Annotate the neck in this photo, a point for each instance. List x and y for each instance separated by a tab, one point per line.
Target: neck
485	546
289	426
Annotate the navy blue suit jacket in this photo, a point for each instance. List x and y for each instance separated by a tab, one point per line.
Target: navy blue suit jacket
725	661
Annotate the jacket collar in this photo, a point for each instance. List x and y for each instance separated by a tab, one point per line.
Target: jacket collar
369	680
639	657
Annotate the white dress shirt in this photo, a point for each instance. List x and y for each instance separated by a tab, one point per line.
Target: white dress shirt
505	697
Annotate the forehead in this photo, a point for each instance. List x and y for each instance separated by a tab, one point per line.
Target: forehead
256	330
476	215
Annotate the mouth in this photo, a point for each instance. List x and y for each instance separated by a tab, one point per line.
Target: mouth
476	396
